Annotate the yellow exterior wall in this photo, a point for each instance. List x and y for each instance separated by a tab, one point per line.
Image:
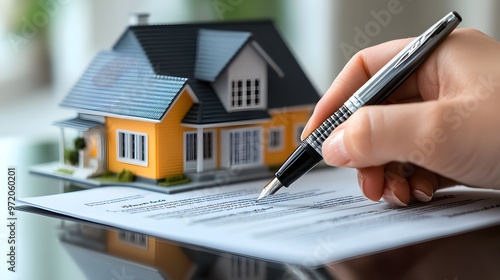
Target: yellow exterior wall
168	258
165	142
170	138
114	124
166	139
288	119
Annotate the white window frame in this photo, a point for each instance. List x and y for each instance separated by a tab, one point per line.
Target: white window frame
281	138
208	163
230	159
133	238
249	94
190	164
138	145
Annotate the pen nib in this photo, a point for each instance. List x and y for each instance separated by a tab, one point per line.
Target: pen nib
262	194
271	188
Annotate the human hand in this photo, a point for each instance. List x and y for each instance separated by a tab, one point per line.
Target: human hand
440	128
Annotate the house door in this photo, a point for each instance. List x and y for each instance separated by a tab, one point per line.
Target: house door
242	147
191	151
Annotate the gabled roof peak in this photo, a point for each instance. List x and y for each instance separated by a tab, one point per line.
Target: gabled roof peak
215	50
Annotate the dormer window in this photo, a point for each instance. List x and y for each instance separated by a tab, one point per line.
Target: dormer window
236	67
245	94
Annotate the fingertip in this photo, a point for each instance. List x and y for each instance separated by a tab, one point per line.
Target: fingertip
421	196
423	184
396	187
372	182
305	131
390	197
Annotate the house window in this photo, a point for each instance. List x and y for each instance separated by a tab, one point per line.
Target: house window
244	147
240	93
249	93
133	238
257	91
191	144
298	132
233	94
132	147
191	140
245	94
207	145
275	138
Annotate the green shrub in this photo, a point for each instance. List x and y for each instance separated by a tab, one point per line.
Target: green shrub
126	176
175	180
71	156
80	143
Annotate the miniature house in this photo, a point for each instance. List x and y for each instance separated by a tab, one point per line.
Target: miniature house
190	98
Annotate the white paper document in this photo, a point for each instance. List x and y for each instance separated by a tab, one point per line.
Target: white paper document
322	218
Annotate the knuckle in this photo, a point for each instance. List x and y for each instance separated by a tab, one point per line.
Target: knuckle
467	32
431	135
434	119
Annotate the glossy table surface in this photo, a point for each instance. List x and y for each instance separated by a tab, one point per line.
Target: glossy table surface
55	248
51	247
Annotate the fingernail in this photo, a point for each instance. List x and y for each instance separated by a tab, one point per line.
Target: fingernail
421	196
390	197
334	151
360	181
302	135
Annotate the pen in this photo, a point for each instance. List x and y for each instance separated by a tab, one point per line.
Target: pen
374	91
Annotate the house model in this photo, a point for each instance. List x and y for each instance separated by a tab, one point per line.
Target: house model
170	100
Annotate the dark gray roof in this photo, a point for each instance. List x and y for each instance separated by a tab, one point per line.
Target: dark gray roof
216	49
78	124
165	60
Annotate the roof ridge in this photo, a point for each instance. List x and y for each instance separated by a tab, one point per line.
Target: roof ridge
195	23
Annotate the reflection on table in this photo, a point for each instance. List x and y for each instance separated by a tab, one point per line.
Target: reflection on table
109	253
104	252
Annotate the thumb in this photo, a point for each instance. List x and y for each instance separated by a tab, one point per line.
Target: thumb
377	135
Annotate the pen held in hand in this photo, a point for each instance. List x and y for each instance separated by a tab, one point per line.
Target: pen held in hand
374	91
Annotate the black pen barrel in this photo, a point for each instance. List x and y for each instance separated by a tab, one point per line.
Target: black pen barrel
303	159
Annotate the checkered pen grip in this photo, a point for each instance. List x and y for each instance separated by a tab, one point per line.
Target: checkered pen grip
318	136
